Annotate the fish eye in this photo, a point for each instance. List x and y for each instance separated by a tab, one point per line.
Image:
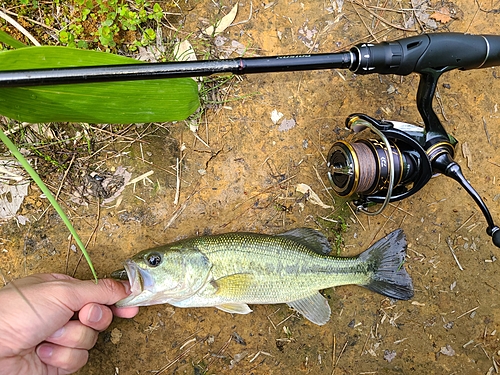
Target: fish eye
153	259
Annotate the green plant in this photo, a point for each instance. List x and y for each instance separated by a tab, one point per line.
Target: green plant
128	24
338	239
13	149
154	100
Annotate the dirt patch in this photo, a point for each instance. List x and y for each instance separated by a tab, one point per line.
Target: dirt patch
245	181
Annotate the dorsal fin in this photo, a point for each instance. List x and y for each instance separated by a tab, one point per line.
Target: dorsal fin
310	238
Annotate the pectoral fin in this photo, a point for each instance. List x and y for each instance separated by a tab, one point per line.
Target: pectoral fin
232	286
314	307
235	308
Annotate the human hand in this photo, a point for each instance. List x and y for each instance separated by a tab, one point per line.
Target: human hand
37	332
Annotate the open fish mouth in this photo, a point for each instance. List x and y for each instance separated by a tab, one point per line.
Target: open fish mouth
138	278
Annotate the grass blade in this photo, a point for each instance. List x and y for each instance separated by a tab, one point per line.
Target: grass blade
112	102
13	149
10	41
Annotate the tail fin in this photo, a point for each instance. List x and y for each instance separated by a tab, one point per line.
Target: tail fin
385	263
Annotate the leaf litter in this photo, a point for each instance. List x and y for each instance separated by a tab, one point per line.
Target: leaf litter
105	186
13	189
223	24
433	17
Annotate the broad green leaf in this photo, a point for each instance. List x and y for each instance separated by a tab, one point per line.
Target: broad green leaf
111	102
10	41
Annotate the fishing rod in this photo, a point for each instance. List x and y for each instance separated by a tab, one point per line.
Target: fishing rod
383	170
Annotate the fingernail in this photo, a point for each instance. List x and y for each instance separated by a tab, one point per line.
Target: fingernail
95	314
57	333
45	351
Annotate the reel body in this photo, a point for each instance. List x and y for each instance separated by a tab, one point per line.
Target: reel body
362	167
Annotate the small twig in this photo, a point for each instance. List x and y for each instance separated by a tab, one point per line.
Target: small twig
383	20
284	320
356	216
340	355
322	183
116	135
60	185
221	350
178	182
366	342
383	225
491	162
5	282
474	16
187	343
67	255
179	210
259	353
465	222
440	102
175	360
200	139
91	235
486	131
21	29
467	312
139	178
248	19
30	20
400	209
448	241
363	22
333	352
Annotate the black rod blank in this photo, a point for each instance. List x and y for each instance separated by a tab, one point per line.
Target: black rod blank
130	72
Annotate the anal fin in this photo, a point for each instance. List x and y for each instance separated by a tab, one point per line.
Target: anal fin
314	307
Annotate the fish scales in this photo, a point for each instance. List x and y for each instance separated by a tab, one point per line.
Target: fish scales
282	269
230	271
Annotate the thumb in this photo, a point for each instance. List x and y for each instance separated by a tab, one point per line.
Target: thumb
104	292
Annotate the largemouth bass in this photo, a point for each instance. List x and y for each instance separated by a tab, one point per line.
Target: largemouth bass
230	271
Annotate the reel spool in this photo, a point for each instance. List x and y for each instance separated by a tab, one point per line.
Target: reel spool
378	170
363	167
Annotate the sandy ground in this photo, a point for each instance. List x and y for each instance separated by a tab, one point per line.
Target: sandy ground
245	180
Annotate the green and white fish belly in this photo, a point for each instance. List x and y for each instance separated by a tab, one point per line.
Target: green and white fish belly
230	271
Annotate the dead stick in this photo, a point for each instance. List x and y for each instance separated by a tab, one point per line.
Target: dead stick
448	240
467	312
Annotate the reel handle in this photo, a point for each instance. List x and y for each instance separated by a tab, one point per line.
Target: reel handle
439	144
445	164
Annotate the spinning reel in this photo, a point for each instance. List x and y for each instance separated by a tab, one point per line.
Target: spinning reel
405	156
395	166
382	170
389	169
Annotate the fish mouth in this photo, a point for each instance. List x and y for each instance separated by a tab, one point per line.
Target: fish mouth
140	280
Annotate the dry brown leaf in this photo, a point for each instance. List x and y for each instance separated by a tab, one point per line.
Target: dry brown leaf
312	197
224	23
442	15
183	51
